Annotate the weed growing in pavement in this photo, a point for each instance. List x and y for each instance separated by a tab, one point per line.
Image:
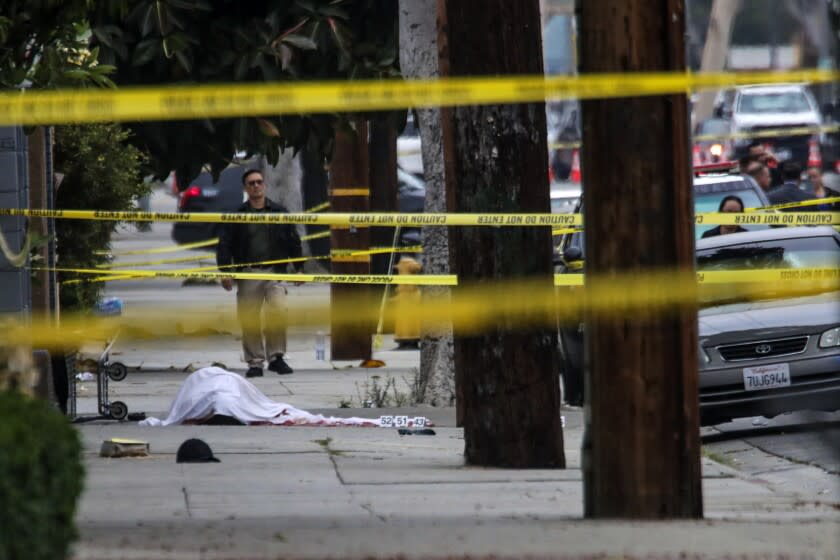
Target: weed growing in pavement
415	385
325	443
373	393
718	458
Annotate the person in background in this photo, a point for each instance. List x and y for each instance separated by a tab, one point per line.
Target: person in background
729	203
249	246
790	191
761	154
745	163
761	175
819	190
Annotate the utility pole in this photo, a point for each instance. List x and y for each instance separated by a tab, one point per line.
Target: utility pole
496	160
383	186
641	451
350	192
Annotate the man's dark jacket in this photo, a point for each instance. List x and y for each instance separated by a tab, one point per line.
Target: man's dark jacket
789	192
285	242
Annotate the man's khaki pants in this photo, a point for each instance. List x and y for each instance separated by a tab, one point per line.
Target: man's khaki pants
255	298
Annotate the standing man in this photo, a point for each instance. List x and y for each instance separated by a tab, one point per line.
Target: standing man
249	246
759	152
789	191
761	174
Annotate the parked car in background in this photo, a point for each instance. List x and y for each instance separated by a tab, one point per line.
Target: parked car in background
204	195
409	153
770	107
709	190
711	143
411	198
764	357
564	197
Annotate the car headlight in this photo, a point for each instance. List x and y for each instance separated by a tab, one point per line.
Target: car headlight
716	150
830	338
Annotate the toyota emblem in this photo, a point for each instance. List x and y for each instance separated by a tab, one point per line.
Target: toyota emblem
763	349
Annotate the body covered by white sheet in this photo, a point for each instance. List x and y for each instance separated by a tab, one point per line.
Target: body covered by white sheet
213	390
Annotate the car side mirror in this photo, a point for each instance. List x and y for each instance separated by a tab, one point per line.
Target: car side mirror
571	254
718	111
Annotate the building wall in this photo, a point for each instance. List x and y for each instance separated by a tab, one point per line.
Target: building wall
15	284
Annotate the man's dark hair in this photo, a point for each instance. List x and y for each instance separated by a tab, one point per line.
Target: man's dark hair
249	172
791	171
744	162
754	144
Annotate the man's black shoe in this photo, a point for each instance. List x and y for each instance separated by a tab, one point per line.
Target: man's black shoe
254	371
280	367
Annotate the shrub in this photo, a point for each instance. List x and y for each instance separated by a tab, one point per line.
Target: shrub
41	478
102	171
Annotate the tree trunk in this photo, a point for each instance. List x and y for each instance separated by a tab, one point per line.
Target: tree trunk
283	183
641	451
510	384
419	59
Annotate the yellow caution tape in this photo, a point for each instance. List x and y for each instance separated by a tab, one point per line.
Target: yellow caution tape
769	133
157	250
332	219
318	208
402	279
778	218
360	191
29	107
201	257
469	309
728	276
417	220
319	235
564	231
564	145
799	204
111	273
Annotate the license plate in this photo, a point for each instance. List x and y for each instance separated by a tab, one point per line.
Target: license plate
783	154
766	377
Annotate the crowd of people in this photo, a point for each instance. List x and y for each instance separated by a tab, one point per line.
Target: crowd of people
782	184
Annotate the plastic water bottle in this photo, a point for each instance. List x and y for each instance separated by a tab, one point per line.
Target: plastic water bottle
320	344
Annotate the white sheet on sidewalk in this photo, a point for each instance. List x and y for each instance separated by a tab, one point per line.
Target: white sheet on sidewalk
213	390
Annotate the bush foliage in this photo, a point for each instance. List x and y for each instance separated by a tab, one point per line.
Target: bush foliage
102	171
41	477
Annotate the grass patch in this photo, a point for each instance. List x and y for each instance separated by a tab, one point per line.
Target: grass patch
718	458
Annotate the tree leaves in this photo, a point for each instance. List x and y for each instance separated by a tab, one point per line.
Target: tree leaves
300	42
170	41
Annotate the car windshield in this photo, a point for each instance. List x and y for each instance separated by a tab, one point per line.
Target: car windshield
782	102
799	252
713	126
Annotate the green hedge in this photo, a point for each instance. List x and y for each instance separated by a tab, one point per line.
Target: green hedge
41	478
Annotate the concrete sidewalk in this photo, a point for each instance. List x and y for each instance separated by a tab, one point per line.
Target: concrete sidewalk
298	492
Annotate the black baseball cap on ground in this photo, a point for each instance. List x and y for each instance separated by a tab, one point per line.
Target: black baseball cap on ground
195	451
